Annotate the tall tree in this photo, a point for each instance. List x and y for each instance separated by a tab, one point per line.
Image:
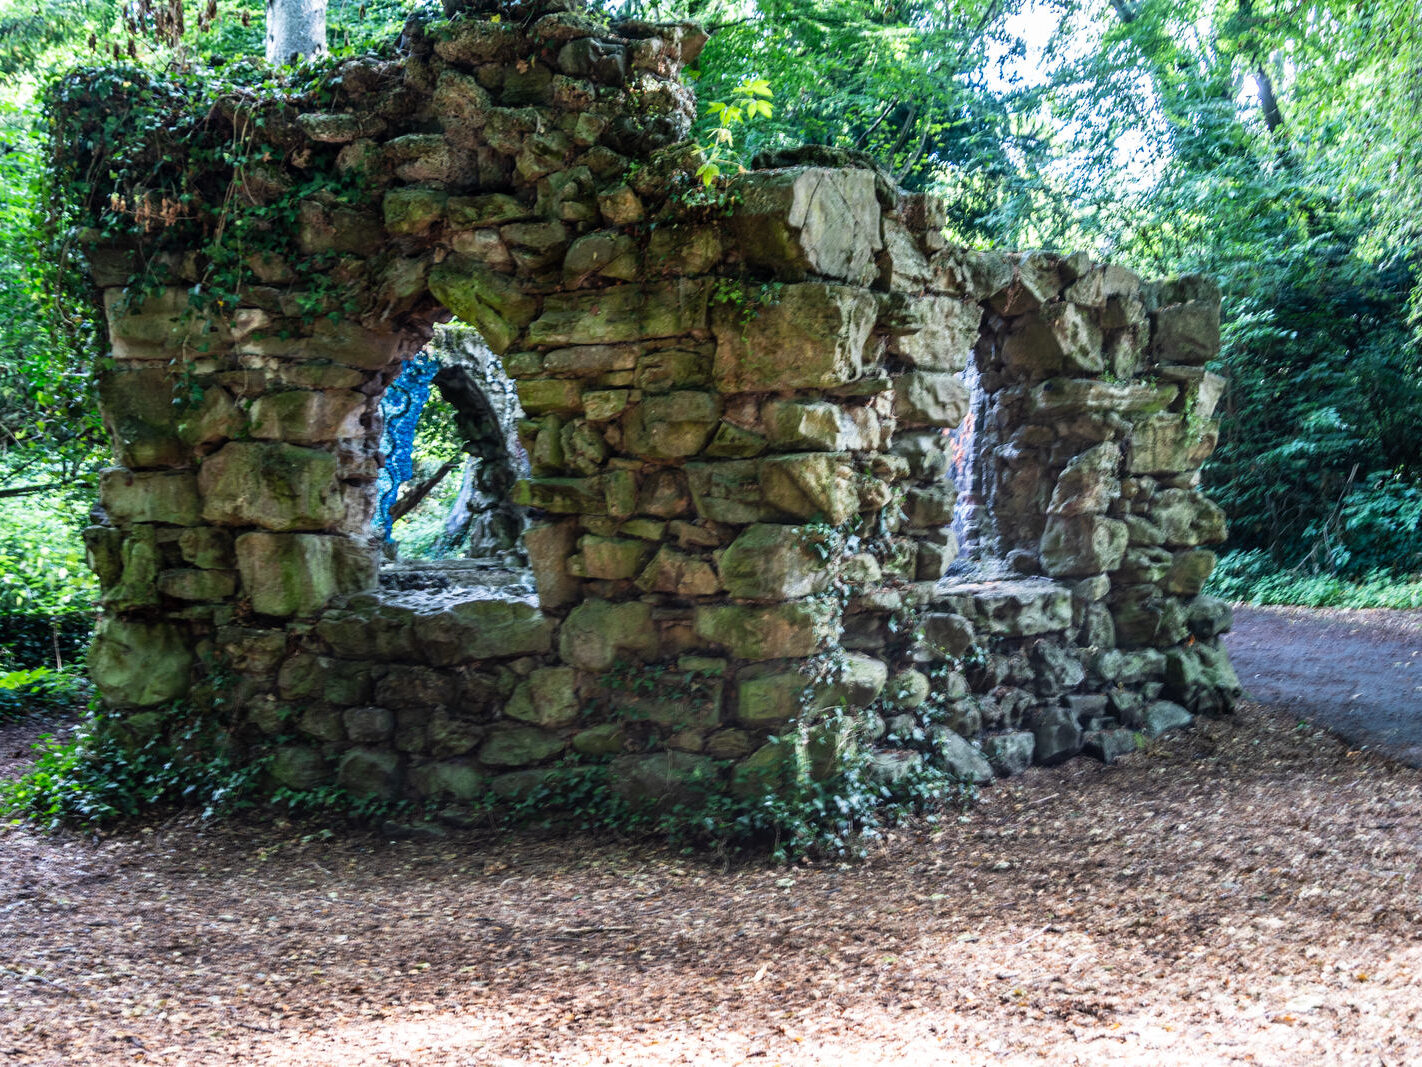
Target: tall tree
296	29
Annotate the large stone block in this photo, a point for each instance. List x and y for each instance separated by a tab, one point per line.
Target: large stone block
140	664
622	313
162	326
1058	397
1082	545
549	546
492	302
1187	518
296	574
816	485
810	220
547	697
1089	483
1168	444
782	631
772	562
597	633
270	484
726	492
1061	336
813	336
306	416
138	411
927	398
943	332
169	498
481	629
1186	326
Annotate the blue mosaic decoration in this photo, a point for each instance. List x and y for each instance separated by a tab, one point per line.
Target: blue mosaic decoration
401	406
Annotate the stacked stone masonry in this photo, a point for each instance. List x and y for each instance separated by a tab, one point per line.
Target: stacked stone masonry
736	404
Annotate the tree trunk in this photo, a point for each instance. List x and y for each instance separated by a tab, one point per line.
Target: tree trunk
295	29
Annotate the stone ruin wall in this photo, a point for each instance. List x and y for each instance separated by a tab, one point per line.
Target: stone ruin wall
716	389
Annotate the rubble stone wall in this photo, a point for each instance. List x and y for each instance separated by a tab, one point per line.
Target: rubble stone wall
737	404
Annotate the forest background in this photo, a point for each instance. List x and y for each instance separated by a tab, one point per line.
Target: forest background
1274	144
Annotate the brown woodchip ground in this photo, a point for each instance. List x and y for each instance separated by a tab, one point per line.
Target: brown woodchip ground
1248	893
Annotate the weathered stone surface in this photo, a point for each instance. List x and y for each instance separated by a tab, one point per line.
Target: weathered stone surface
1057	736
772	562
1009	754
781	631
672	425
926	398
812	337
163	326
808	221
273	485
665	778
1089	483
140	664
597	633
296	574
1058	337
771	701
1109	745
1187	518
621	313
368	725
137	406
907	689
299	768
612	558
483	298
1078	545
370	772
481	629
1058	397
818	486
818	425
519	746
676	572
1162	716
449	780
195	584
1024	608
549	546
943	333
1166	444
961	759
1187	331
170	498
305	416
547	697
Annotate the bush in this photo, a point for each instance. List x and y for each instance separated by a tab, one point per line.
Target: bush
1252	577
95	776
40	690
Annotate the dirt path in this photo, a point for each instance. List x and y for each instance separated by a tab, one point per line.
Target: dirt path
1247	893
1357	673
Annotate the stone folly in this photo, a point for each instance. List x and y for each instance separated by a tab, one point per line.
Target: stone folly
736	406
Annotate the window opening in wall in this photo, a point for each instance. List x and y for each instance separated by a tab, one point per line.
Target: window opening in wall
451	460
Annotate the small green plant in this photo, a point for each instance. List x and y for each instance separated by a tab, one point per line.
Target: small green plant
749	100
96	776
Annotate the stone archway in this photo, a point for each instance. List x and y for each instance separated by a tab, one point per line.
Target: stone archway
736	406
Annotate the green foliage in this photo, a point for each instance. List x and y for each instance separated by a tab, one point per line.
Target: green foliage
750	100
98	774
1253	577
41	691
47	593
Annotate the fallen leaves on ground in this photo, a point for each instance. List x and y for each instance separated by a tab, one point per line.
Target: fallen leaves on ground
1247	893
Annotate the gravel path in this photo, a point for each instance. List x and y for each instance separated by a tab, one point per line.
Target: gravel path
1356	673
